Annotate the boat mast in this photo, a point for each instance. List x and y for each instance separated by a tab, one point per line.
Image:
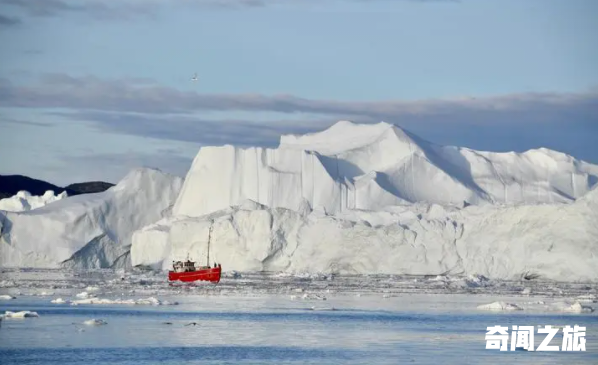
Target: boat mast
209	237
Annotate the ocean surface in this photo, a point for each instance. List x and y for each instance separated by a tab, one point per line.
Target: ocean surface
258	318
273	329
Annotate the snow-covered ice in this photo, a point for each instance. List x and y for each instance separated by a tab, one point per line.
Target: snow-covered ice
24	201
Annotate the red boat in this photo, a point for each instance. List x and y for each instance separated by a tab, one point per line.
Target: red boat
190	273
187	272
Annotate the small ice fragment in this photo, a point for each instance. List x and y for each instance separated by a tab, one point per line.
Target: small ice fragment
21	314
587	298
95	322
576	307
314	308
499	306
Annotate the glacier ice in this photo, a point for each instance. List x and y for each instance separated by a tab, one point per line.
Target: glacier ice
354	198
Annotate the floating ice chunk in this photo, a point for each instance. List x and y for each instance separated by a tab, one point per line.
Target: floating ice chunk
150	301
58	301
576	307
499	306
21	314
475	281
85	295
7	284
92	288
6	297
95	322
232	274
586	298
146	301
314	308
309	296
526	291
472	281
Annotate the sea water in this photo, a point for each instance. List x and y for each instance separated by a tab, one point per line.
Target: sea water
271	330
235	322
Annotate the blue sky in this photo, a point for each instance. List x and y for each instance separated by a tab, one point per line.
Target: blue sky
90	89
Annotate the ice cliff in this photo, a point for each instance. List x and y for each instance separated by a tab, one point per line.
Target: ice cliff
368	167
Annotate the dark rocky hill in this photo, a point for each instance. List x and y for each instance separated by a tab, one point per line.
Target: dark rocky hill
12	184
89	187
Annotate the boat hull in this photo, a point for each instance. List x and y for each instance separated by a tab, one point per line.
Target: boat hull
212	275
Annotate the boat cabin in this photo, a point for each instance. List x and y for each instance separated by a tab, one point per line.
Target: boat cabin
187	266
180	266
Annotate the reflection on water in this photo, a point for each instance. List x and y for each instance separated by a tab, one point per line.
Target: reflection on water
271	330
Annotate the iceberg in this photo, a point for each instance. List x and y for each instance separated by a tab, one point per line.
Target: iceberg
89	230
367	199
352	199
